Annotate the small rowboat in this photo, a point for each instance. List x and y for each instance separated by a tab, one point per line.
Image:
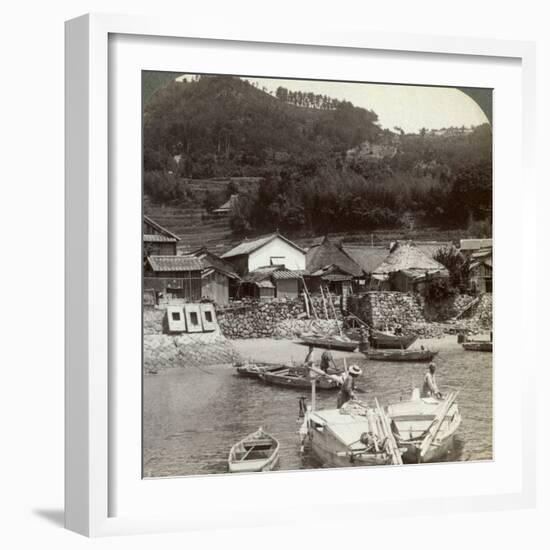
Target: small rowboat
257	452
253	370
478	345
342	343
292	379
385	340
417	355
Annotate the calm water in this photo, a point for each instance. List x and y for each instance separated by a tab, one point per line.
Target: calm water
193	416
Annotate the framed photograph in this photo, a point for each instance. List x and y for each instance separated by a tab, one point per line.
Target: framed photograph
288	271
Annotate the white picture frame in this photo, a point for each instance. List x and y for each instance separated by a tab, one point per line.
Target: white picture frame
93	439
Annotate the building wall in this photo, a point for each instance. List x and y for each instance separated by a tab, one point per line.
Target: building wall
160	249
185	285
287	288
216	287
277	251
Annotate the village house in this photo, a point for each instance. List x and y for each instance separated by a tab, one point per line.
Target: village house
479	253
481	271
174	277
328	265
219	280
406	269
273	281
273	249
157	240
225	209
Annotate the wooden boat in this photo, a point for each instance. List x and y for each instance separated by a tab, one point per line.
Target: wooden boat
478	345
253	370
385	340
425	427
292	378
342	343
417	355
257	452
354	435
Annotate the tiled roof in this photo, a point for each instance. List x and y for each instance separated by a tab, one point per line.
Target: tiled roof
247	247
159	228
287	274
260	274
155	238
209	259
175	263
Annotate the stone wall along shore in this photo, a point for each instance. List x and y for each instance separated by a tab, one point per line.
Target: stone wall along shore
163	351
279	318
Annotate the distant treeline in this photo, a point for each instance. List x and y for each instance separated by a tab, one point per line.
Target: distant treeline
327	167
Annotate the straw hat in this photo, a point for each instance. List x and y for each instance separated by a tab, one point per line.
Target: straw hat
354	370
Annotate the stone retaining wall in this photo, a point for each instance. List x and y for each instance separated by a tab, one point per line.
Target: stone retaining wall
281	318
163	351
379	309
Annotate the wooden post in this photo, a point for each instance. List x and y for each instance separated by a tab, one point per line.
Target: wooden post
334	312
324	303
313	393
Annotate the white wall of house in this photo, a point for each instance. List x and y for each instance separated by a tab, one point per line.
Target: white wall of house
277	251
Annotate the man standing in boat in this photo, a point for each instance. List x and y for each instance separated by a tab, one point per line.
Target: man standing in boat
347	391
429	388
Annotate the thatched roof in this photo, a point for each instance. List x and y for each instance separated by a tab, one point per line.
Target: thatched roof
328	253
366	256
409	257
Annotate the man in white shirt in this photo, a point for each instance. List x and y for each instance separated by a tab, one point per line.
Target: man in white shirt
429	388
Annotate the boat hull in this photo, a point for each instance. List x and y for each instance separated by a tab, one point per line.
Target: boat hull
478	346
380	340
435	453
401	355
329	453
257	452
253	370
299	382
330	343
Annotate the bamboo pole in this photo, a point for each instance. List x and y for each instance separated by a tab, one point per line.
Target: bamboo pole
324	303
334	312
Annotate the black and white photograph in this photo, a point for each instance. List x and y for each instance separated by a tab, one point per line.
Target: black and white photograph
317	274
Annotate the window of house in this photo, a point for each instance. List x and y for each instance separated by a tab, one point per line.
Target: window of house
208	316
176	316
194	318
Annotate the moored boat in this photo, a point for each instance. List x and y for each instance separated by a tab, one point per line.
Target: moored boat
401	355
342	343
292	378
257	452
385	340
478	345
354	435
253	370
425	427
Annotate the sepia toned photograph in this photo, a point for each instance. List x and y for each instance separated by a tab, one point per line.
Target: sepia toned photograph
317	274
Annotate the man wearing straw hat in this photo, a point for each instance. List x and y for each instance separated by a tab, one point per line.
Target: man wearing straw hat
347	390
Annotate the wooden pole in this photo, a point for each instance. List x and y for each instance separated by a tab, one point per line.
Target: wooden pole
313	394
334	312
309	296
324	303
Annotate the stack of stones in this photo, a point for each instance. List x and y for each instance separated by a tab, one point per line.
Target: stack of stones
379	309
480	318
279	318
293	328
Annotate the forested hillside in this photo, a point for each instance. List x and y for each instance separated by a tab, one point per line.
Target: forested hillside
325	165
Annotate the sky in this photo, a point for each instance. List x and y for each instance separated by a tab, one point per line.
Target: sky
408	107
